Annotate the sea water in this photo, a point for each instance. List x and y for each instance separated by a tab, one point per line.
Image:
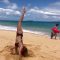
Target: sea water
36	27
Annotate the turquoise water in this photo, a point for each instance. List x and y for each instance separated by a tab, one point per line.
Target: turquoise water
31	26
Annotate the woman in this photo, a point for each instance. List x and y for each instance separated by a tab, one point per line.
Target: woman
19	34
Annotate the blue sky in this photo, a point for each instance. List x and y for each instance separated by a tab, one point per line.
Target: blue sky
36	10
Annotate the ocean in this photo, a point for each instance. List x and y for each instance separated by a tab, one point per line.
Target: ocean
36	27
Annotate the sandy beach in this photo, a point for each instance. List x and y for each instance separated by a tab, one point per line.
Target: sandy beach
39	47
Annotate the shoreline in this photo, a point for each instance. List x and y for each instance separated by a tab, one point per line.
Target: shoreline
28	31
12	28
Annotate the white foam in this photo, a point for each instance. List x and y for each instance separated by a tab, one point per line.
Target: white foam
7	28
34	32
2	27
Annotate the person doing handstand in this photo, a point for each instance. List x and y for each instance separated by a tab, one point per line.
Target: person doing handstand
19	34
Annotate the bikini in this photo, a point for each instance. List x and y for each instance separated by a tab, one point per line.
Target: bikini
18	34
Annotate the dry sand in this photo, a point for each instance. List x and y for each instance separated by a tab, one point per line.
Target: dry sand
39	47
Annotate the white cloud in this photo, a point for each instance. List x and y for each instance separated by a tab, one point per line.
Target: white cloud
55	5
51	12
9	4
45	11
9	11
12	6
5	1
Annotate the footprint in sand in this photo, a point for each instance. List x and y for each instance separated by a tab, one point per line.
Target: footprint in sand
5	54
